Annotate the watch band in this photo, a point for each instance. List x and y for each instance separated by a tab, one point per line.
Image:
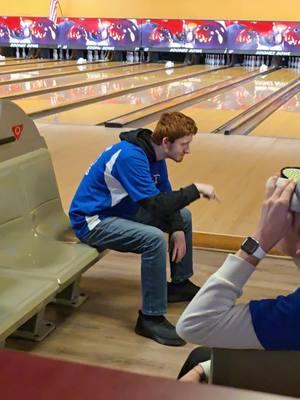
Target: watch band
259	253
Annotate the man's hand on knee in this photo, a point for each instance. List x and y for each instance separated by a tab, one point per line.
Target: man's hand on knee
177	246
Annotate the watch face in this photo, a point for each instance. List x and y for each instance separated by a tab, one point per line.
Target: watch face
250	245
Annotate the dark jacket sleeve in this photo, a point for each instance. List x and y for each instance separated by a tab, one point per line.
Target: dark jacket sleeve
166	206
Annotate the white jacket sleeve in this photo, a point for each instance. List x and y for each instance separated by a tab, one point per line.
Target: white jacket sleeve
212	318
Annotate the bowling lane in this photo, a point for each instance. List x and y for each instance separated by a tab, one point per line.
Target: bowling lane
21	61
80	78
48	101
107	109
35	66
30	75
285	122
215	111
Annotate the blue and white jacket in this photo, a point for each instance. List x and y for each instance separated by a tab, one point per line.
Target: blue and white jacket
123	178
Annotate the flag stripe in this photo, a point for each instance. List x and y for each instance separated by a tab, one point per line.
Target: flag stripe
53	10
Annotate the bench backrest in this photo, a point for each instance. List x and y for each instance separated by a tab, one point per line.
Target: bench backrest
18	133
30	197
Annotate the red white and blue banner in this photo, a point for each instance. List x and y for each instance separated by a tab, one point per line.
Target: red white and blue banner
222	36
95	33
27	32
253	37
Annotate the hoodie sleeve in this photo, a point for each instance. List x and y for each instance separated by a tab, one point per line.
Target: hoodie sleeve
133	172
166	206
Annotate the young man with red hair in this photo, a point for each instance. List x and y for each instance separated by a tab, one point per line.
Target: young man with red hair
125	202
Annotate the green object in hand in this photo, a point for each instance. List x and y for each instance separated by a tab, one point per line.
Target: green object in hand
291	172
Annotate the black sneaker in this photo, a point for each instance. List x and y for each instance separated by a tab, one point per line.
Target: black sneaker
159	329
183	291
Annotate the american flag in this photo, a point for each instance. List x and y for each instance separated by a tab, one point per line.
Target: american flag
53	10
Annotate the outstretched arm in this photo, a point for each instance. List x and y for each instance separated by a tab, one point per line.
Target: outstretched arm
212	318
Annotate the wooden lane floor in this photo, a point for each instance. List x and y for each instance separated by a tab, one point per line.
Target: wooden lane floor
58	71
23	61
81	78
36	66
238	167
217	110
101	111
49	102
284	122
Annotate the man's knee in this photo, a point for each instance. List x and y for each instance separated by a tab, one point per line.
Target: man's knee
155	238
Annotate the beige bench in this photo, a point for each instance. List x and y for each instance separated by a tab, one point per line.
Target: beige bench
29	242
261	370
22	304
35	241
